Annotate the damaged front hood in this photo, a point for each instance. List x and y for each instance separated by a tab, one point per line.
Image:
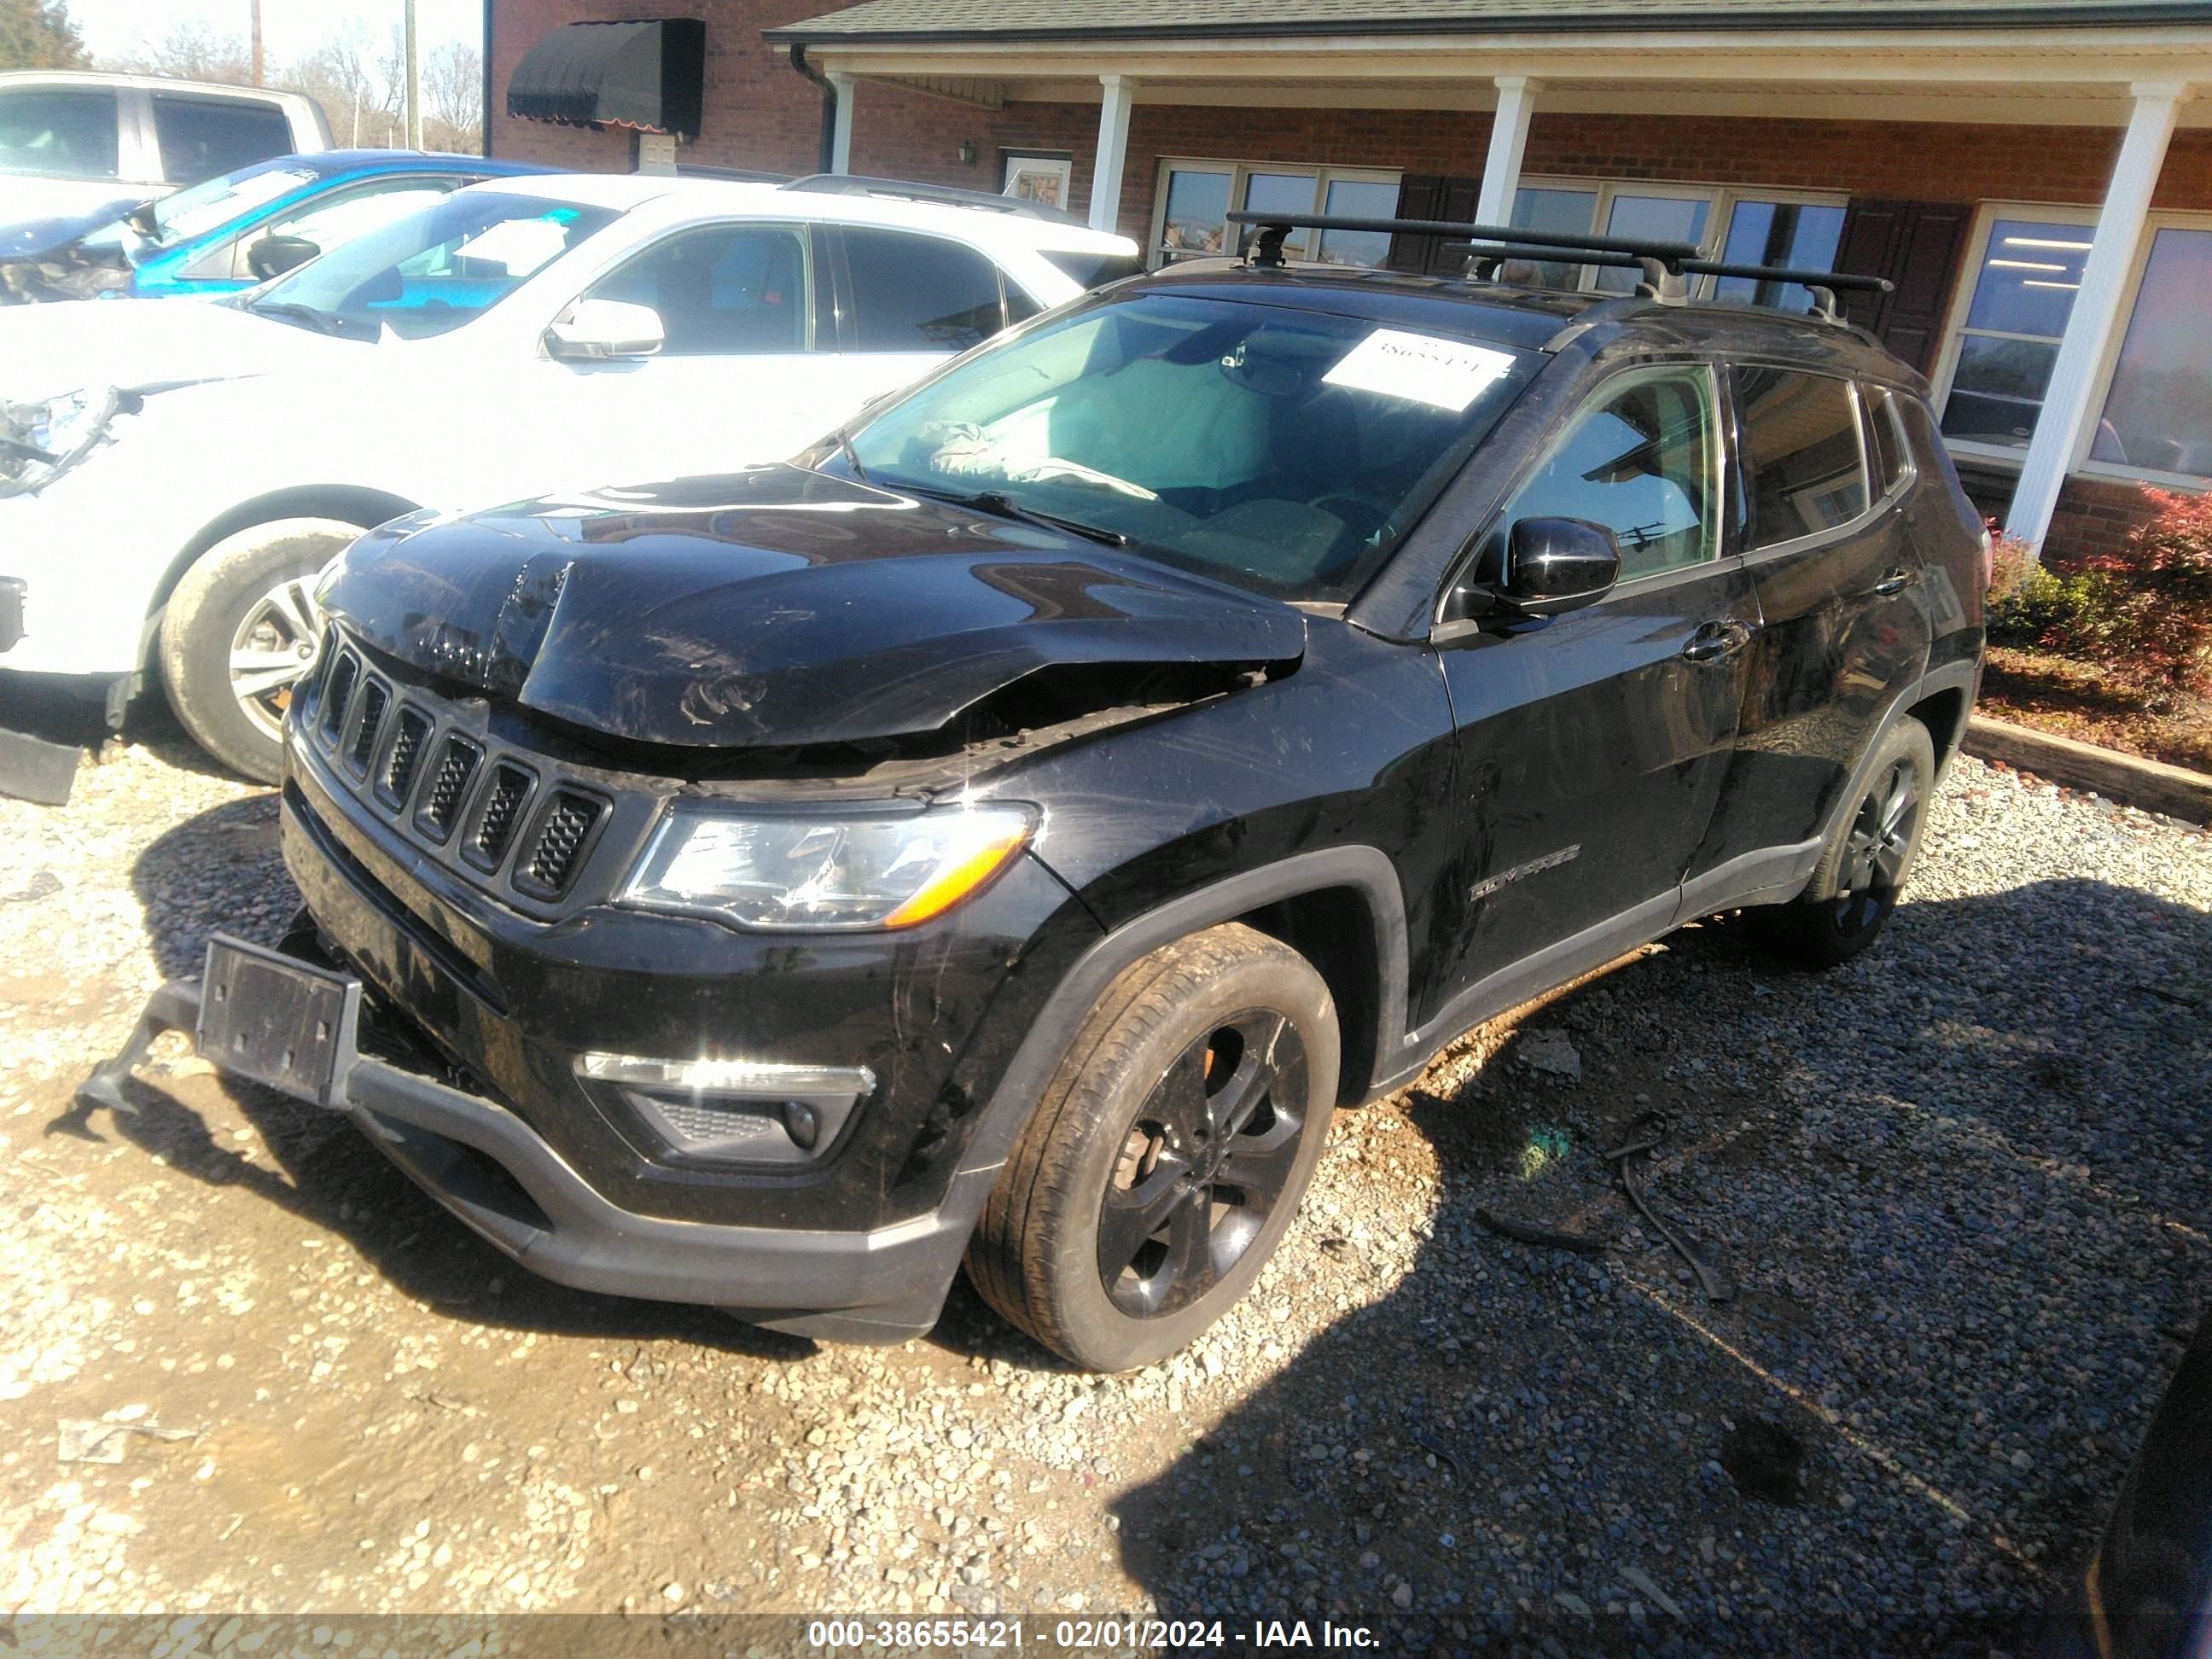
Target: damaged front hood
773	607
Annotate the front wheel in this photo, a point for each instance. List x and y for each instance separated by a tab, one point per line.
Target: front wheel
1863	870
240	630
1168	1156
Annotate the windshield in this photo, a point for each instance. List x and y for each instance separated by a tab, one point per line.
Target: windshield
1286	451
194	212
432	270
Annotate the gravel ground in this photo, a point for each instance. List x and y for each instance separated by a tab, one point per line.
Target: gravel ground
1961	1185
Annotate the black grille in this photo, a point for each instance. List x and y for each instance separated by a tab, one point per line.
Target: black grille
375	698
410	741
495	823
449	787
558	845
344	672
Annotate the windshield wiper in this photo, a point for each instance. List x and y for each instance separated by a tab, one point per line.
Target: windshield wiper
999	505
290	311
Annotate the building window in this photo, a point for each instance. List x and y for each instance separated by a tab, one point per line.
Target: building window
2023	295
1195	199
1756	227
2158	414
2155	399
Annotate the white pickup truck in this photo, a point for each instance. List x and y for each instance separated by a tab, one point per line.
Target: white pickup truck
73	141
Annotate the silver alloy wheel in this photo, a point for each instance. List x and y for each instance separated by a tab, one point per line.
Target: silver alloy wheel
274	647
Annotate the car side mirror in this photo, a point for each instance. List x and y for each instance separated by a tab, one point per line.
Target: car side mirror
1556	565
272	256
596	330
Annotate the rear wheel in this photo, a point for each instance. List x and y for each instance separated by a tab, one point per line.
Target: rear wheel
1169	1156
240	630
1868	860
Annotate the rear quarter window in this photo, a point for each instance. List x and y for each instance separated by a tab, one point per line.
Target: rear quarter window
1803	455
201	137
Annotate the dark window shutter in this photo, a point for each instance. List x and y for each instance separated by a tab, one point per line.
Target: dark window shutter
1428	196
1916	245
1419	194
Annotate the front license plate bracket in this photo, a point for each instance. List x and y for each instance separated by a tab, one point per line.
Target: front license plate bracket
279	1021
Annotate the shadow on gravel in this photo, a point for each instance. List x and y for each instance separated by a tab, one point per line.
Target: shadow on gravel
222	871
1965	1210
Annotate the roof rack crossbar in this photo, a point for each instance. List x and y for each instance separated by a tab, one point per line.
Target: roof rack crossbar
1267	249
860	183
1822	285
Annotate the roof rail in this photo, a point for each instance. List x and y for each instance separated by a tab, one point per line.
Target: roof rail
907	190
1666	266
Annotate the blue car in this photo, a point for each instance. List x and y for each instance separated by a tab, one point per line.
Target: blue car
231	232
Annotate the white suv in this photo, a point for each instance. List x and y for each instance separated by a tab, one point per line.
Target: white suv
175	477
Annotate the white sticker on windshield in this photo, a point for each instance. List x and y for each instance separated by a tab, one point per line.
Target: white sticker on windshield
1444	373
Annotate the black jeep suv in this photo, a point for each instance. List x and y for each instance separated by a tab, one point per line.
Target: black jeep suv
1010	831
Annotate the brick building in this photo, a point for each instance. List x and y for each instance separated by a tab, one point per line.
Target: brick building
2034	175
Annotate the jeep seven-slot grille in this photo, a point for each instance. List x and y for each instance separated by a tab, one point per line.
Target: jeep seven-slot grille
557	846
410	738
498	814
344	672
375	697
449	787
503	808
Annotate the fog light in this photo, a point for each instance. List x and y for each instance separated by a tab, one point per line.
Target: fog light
735	1111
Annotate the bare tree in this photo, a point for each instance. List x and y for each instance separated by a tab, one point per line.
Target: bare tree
452	99
342	75
190	51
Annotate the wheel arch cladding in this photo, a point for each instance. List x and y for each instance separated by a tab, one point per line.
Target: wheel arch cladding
1289	899
1335	929
345	503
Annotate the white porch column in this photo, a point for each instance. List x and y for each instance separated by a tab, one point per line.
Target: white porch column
1112	151
1509	143
2067	411
841	140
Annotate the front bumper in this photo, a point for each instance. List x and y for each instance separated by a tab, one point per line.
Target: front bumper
490	1170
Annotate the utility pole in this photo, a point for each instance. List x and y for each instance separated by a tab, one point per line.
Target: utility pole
414	83
257	81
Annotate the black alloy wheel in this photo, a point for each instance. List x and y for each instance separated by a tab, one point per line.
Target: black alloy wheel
1211	1153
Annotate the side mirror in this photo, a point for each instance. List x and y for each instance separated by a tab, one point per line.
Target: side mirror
1555	565
272	256
596	330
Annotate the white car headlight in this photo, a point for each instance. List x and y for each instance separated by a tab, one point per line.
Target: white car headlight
42	440
811	871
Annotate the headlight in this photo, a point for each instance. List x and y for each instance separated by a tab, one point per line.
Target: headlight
824	870
40	440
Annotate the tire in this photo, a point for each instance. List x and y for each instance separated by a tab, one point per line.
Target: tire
249	597
1227	1030
1867	862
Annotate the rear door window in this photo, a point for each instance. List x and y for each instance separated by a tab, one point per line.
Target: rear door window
1804	463
201	137
919	293
732	291
63	132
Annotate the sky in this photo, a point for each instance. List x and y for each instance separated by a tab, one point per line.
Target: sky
289	27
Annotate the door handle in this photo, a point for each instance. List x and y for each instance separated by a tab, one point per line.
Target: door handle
1717	641
1895	580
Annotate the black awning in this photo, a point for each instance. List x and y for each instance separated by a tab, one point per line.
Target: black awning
651	75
